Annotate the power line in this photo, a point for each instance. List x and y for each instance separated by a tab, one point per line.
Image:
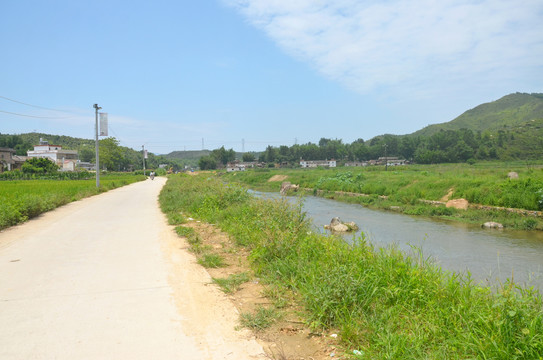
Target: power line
35	106
37	117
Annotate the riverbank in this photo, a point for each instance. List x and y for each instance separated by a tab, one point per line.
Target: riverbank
381	304
422	190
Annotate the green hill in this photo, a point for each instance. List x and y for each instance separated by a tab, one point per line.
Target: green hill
509	112
67	142
187	155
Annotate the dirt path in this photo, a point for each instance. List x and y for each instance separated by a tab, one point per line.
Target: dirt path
100	279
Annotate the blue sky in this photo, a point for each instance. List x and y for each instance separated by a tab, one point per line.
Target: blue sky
259	72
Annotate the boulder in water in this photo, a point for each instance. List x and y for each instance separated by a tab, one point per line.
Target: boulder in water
337	225
492	225
286	186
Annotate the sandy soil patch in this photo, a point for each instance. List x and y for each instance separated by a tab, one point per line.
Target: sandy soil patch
289	337
277	178
448	196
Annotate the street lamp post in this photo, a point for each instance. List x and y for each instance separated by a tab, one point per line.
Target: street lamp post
96	107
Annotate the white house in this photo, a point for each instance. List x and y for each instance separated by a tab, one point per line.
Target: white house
356	163
65	159
235	167
316	163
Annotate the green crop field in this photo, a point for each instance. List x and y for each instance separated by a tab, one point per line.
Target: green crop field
21	200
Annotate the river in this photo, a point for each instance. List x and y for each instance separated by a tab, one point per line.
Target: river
491	256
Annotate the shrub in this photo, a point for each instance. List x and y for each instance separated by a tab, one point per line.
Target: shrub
211	261
232	282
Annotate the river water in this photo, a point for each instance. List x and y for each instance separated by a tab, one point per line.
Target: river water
491	256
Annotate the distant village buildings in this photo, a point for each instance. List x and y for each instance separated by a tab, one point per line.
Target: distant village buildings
241	166
391	161
316	163
65	159
356	163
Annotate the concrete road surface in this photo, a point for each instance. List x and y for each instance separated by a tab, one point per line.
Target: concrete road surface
105	278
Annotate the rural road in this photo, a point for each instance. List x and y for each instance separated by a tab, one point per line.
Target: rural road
107	278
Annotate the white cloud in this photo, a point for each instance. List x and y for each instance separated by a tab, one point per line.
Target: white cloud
419	46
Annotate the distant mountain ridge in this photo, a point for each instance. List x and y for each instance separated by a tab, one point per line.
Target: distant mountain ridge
506	129
508	112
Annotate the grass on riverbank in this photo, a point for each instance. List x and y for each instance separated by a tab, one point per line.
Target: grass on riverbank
382	303
402	188
21	200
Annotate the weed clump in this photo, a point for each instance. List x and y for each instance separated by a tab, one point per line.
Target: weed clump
261	319
233	282
211	261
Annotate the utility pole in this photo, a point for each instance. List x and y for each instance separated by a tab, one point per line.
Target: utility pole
386	159
96	107
143	158
243	145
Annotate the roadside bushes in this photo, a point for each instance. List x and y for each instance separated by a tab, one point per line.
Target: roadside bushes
383	303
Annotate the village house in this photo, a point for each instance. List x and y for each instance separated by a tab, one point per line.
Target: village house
18	161
391	161
82	165
316	163
65	159
241	166
234	167
9	161
6	159
356	163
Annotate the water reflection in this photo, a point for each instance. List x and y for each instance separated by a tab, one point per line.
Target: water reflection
491	256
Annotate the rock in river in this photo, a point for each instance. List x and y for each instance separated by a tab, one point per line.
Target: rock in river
337	225
492	225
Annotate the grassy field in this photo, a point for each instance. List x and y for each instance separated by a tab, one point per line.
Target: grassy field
21	200
381	303
402	188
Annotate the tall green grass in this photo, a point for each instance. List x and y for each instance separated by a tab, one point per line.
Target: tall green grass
478	184
383	303
21	200
403	187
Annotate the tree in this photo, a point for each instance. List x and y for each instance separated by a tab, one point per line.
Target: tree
463	151
87	154
270	155
223	156
110	154
207	163
15	142
407	147
248	157
360	151
39	166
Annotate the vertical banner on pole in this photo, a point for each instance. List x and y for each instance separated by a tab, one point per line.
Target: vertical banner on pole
103	124
145	154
